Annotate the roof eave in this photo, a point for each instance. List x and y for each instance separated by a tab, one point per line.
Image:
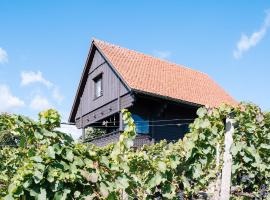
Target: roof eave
166	98
79	89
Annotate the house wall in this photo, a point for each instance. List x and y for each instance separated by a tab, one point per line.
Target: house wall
166	129
105	111
155	110
112	88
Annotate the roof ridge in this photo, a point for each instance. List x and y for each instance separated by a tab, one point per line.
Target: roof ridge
151	56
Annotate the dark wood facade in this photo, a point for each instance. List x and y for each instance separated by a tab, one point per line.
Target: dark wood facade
156	117
115	94
167	119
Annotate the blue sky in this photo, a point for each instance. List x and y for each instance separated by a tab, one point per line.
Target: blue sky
44	44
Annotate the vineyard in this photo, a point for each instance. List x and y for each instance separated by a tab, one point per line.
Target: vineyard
38	162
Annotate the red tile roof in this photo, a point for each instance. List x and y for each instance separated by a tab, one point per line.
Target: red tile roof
159	77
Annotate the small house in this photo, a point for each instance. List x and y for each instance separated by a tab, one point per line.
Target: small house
162	96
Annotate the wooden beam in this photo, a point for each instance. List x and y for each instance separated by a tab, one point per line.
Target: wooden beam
81	112
83	135
119	105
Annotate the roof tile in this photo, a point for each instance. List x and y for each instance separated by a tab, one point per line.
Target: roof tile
152	75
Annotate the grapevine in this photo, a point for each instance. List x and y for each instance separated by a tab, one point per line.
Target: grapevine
38	162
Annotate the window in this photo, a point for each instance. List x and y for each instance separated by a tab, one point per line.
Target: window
142	125
98	86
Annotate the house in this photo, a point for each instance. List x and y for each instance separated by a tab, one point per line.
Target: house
163	97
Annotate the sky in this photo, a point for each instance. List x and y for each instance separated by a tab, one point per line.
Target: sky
44	45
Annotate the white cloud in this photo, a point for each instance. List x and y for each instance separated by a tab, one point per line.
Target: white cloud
57	95
71	129
7	100
3	56
34	77
31	77
162	54
246	42
40	103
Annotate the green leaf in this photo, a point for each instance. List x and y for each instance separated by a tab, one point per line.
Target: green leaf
77	194
8	197
103	190
174	162
93	177
19	192
104	160
42	195
265	146
50	152
206	149
205	123
235	149
34	191
38	176
27	183
37	158
129	143
78	162
22	141
197	170
69	155
122	182
201	112
235	168
50	179
168	190
89	163
247	159
155	180
38	135
32	152
56	186
57	149
162	166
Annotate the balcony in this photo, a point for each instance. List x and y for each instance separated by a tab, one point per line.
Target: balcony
113	137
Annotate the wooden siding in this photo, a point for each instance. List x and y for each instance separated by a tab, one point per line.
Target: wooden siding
97	61
111	85
105	111
171	112
158	110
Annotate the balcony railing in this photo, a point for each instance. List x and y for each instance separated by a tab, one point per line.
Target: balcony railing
113	137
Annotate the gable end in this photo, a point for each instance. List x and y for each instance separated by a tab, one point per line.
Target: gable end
95	65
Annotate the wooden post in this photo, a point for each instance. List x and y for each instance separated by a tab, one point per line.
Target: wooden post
227	162
83	135
81	112
120	121
119	105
